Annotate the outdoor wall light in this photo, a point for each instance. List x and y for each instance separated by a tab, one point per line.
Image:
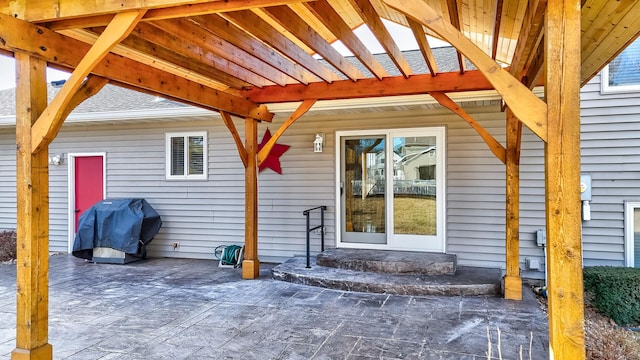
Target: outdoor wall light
56	159
317	143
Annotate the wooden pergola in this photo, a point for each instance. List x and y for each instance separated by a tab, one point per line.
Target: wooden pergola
234	56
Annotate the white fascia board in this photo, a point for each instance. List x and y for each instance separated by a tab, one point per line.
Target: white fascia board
168	113
323	105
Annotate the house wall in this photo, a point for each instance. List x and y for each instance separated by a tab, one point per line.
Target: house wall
204	214
7	179
201	215
610	150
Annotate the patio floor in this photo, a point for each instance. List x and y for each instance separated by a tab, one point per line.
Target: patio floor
191	309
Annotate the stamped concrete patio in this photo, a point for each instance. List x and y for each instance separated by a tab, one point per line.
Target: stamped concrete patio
190	309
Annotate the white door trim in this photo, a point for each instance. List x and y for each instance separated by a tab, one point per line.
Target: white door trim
71	190
629	241
441	170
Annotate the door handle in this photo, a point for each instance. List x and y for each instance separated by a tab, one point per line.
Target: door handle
77	211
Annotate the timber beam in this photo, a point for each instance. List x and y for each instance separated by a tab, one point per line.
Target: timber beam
301	110
100	13
228	122
66	52
251	264
512	279
524	104
32	185
44	131
390	86
562	180
494	145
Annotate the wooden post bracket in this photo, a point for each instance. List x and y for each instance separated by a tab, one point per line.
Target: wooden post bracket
226	118
525	105
301	110
49	123
496	148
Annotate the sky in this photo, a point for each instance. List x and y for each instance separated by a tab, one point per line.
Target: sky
402	35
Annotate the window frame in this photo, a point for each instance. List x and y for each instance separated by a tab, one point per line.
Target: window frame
605	88
629	242
205	158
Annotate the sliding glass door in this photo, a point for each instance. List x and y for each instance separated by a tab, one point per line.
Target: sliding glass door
391	189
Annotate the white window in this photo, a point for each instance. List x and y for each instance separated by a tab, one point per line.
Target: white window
632	233
186	156
623	73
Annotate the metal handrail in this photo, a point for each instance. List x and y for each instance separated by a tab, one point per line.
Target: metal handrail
310	229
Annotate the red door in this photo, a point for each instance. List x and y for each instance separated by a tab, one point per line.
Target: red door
89	186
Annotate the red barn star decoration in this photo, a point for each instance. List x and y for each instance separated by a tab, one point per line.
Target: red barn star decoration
272	161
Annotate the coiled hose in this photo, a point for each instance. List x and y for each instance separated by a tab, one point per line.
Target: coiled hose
229	254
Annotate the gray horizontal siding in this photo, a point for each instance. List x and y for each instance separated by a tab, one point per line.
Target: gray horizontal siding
204	214
610	150
7	180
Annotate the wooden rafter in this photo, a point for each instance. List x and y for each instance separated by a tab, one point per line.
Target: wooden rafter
535	67
206	42
496	29
49	123
68	10
332	20
526	106
370	16
138	54
253	24
299	28
301	110
66	52
164	46
452	6
228	122
494	145
392	86
231	33
423	44
530	37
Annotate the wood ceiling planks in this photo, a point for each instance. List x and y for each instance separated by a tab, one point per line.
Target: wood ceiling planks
231	45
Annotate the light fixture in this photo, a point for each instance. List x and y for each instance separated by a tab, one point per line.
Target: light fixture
317	143
56	159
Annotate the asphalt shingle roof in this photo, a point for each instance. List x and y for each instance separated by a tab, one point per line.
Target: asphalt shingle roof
116	99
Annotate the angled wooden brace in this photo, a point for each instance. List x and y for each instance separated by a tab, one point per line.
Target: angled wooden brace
525	105
226	118
496	148
49	123
91	86
301	110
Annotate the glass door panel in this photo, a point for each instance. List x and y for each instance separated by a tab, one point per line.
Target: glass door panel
363	184
414	185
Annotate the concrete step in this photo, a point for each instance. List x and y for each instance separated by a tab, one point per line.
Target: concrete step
390	262
466	282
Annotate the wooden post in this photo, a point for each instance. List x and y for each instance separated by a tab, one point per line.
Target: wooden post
562	177
251	264
32	182
512	279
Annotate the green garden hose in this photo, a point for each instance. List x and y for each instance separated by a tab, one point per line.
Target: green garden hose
229	254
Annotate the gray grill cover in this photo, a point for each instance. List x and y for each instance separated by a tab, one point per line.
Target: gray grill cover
121	224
